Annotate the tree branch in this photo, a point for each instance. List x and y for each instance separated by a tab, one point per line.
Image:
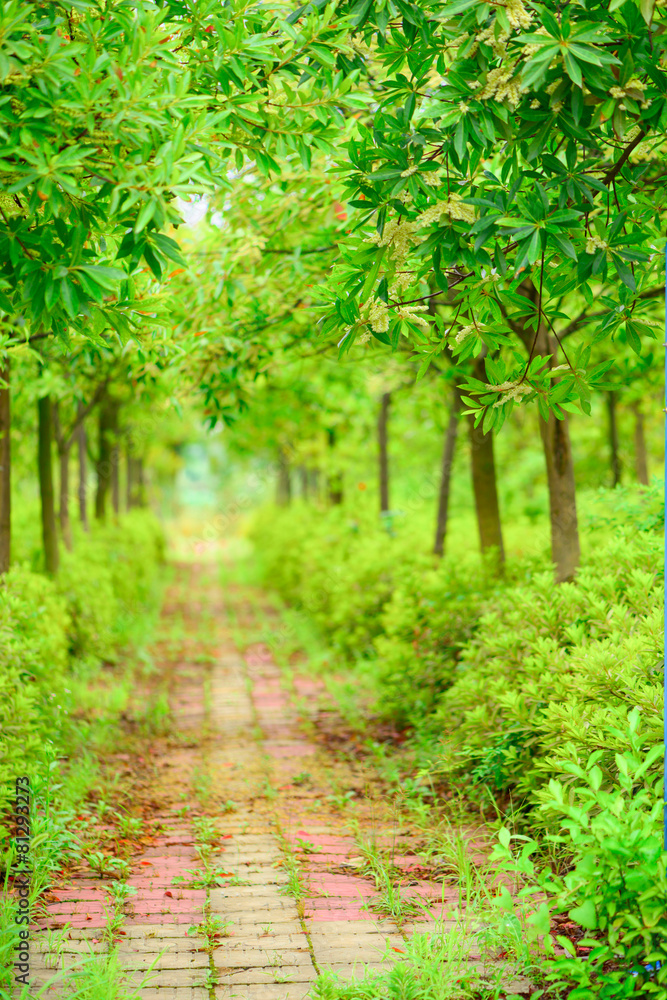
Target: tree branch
614	170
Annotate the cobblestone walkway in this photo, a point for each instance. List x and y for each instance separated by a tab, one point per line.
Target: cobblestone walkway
252	882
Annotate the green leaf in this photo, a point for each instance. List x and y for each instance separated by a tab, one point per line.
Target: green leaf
106	277
647	7
564	244
585	915
371	277
145	215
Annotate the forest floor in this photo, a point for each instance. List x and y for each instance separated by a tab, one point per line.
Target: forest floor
257	853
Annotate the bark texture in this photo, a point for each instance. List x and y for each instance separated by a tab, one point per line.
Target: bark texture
63	504
108	424
383	431
555	434
45	470
115	479
284	483
83	472
565	551
303	480
613	440
641	456
485	490
448	450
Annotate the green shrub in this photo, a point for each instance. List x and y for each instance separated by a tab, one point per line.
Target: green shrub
50	628
552	671
106	581
616	882
34	625
509	679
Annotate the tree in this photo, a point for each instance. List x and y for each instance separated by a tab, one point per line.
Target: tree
449	446
512	165
383	456
110	112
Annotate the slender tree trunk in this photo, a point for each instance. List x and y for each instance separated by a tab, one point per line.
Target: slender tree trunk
115	479
562	496
284	484
613	440
641	458
565	552
129	474
383	420
49	534
485	490
5	470
446	475
335	478
303	479
141	483
83	473
314	482
107	426
63	511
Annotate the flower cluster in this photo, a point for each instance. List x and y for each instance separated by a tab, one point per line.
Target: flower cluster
493	35
594	243
378	316
399	235
410	312
454	207
501	84
633	88
510	391
464	332
517	15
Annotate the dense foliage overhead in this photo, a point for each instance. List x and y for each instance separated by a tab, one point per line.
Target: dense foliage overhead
512	171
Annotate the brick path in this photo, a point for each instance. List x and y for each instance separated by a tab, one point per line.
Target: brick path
288	898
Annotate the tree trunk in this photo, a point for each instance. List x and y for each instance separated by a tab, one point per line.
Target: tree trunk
383	420
5	471
562	496
314	482
335	478
141	483
284	484
83	474
107	428
49	534
484	488
65	526
129	476
115	479
641	458
303	478
613	440
446	475
555	435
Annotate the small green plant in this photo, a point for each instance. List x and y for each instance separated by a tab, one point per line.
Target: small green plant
201	785
341	800
295	886
212	928
105	865
307	847
304	778
129	826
